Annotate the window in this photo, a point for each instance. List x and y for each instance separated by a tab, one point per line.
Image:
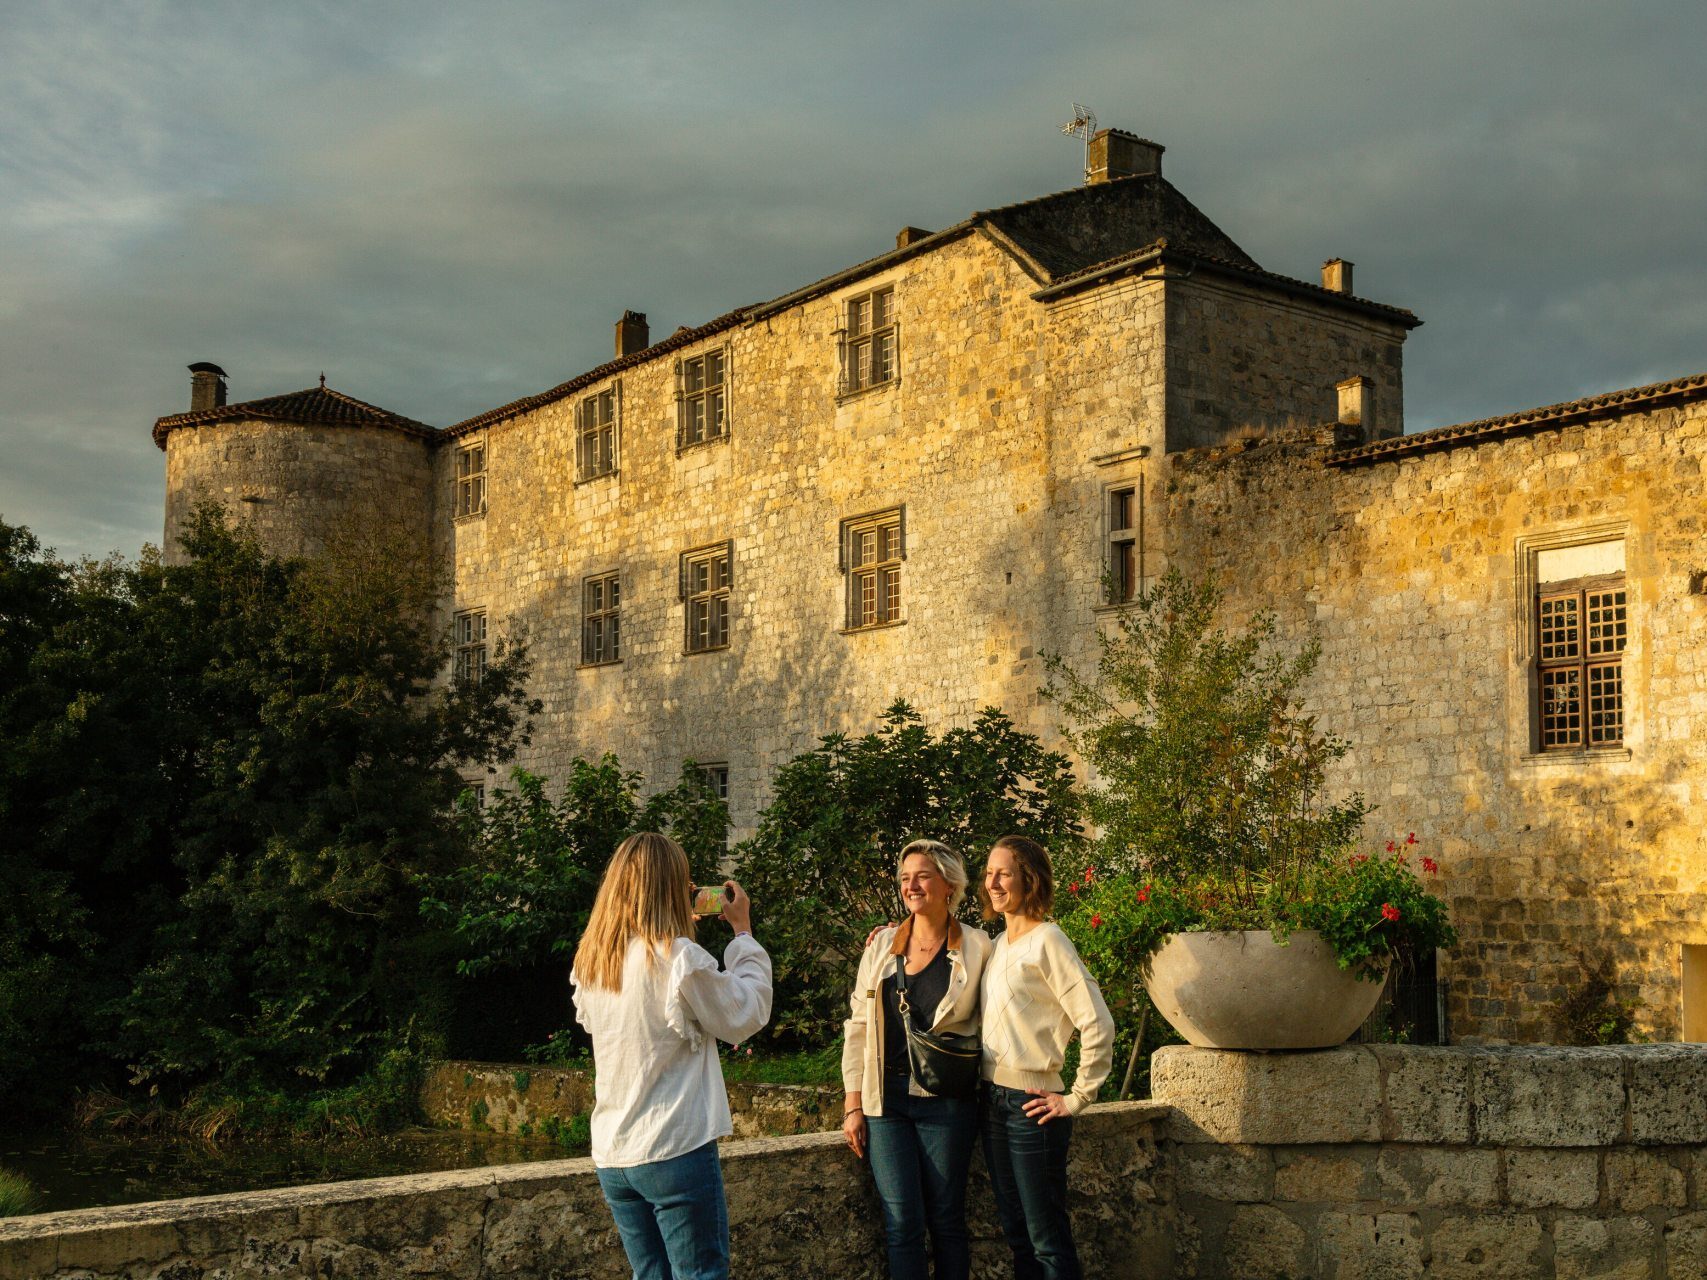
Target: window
717	778
873	547
1581	629
701	399
469	628
868	340
595	421
705	591
601	621
1125	514
471	480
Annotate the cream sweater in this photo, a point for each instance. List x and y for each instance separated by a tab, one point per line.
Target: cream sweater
1037	992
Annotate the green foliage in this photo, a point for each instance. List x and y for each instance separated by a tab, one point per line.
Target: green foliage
1593	1011
818	1066
18	1194
821	866
574	1135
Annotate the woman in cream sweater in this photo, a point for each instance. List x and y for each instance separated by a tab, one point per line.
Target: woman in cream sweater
1036	993
920	1143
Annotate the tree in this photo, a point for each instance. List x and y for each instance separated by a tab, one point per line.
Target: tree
821	866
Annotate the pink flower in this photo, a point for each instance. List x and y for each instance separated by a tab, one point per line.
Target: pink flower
1430	865
1389	911
1096	921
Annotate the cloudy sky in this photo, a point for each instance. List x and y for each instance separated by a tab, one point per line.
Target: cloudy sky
445	206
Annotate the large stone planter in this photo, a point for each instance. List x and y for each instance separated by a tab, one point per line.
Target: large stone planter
1244	990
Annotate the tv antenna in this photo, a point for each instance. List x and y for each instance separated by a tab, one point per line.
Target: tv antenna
1082	125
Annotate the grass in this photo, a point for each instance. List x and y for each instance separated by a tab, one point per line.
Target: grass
17	1194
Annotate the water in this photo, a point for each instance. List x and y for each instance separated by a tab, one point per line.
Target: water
81	1170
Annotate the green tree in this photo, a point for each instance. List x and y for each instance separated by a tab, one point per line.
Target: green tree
821	866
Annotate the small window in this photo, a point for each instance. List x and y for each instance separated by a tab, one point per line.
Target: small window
1581	630
702	399
471	480
717	778
868	341
478	791
873	548
1124	516
705	592
601	619
595	450
469	628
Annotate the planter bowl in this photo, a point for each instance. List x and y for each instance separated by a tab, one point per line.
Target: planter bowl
1244	990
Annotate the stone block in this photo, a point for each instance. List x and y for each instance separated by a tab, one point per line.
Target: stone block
1321	1179
1686	1246
1668	1092
1231	1174
1361	1246
1425	1092
1638	1180
1603	1249
1547	1097
1487	1247
1298	1099
1262	1243
1552	1179
1438	1177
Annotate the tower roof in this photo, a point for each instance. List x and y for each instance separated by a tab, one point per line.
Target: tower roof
313	406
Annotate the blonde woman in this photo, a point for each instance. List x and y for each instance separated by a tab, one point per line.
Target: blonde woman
1037	992
925	972
656	1004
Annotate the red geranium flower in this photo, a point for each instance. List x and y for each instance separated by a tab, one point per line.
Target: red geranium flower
1389	911
1358	859
1391	846
1096	921
1074	887
1144	894
1430	865
1411	839
1089	873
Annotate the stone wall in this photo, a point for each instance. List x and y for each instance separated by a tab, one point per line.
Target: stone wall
797	1206
1520	1164
1413	574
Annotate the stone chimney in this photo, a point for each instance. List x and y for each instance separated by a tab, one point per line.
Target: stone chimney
909	235
1357	411
1114	153
1336	275
631	333
207	386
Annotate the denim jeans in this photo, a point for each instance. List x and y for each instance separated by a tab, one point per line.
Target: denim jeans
921	1150
671	1216
1028	1173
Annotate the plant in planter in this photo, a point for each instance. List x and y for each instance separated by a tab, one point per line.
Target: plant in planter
1226	872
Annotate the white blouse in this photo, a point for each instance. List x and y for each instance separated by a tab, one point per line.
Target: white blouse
658	1088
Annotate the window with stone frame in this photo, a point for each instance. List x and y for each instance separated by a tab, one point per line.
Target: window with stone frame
601	619
873	547
702	399
595	435
869	339
1581	630
1125	507
716	777
469	631
471	480
705	582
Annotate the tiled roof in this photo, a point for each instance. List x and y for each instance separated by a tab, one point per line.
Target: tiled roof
1611	404
319	406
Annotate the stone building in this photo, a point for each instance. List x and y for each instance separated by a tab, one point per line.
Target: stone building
913	477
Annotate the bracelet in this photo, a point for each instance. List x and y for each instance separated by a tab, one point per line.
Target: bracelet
851	1110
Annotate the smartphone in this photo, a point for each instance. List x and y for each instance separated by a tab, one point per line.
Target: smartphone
708	900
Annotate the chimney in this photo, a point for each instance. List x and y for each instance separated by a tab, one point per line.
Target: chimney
1336	275
1357	410
909	235
1114	153
207	386
631	333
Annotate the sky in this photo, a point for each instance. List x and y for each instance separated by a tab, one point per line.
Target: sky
444	207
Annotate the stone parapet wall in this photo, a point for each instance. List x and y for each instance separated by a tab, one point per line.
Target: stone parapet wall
1394	1161
797	1206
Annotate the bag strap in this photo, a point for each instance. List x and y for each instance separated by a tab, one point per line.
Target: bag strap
901	988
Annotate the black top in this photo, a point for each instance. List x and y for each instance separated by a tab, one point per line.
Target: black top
925	990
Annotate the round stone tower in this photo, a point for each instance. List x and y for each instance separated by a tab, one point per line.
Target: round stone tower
295	468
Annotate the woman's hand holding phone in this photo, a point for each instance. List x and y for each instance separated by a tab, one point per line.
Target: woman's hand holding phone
737	908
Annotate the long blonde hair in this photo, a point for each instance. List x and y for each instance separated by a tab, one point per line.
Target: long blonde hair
647	892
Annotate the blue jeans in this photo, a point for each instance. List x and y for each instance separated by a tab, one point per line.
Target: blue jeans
671	1216
1028	1173
921	1150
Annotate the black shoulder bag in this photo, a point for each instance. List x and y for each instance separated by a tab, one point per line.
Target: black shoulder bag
943	1064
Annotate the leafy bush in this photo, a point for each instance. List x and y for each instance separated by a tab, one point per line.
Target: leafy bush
1593	1012
821	866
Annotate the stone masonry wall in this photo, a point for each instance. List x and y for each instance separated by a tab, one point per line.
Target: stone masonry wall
1411	572
1386	1161
797	1206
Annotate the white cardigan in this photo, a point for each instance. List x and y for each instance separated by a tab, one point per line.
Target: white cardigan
862	1034
658	1087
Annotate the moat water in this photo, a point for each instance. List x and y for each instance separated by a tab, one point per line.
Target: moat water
81	1170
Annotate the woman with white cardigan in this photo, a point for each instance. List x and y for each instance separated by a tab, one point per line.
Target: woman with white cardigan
656	1004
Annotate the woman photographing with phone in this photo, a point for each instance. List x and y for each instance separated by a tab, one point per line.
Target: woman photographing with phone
910	1065
1036	993
655	1004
